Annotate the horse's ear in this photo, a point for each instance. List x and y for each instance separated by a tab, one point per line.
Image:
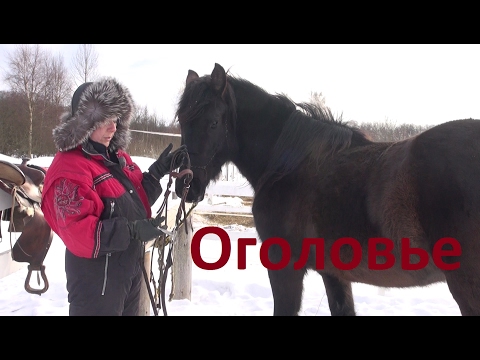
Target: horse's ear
192	75
219	79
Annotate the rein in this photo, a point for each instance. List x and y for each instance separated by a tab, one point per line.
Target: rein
169	237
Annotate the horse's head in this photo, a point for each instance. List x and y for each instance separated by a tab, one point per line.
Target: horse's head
204	112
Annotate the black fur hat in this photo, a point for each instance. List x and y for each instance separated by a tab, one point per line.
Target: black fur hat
92	104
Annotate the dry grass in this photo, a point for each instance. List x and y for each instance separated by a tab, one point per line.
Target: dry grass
219	218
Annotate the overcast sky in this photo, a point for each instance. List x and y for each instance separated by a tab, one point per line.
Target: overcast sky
405	83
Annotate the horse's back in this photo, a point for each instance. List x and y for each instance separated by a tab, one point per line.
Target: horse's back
427	187
446	164
452	145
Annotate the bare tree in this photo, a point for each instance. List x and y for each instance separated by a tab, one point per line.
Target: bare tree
26	75
85	64
388	130
317	98
58	85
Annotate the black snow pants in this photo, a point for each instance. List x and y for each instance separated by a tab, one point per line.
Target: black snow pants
106	286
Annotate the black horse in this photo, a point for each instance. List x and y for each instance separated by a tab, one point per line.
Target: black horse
389	214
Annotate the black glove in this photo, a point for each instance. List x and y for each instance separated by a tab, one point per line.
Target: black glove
162	165
145	229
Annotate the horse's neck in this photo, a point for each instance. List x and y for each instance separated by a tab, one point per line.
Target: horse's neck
256	136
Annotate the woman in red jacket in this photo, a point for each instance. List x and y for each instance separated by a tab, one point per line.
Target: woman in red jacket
98	201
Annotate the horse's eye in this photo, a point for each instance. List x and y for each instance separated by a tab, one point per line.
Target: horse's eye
213	125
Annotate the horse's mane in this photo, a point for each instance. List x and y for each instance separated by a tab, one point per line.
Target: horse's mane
311	131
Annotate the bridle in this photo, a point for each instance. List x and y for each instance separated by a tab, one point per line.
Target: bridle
169	237
204	167
170	240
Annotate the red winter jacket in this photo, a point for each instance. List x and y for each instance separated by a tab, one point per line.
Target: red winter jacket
88	200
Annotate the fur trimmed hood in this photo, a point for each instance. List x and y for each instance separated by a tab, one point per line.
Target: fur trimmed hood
92	104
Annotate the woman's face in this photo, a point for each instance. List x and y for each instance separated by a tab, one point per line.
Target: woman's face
104	133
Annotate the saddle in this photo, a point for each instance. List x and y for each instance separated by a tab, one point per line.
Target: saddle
21	187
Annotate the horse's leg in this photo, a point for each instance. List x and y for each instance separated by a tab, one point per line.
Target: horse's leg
464	285
339	294
464	282
287	289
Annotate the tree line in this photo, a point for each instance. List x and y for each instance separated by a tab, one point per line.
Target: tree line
40	89
390	131
387	130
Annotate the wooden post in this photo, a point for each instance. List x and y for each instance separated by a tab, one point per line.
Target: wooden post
182	262
181	268
145	303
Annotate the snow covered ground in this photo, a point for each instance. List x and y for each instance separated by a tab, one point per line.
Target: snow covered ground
228	290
